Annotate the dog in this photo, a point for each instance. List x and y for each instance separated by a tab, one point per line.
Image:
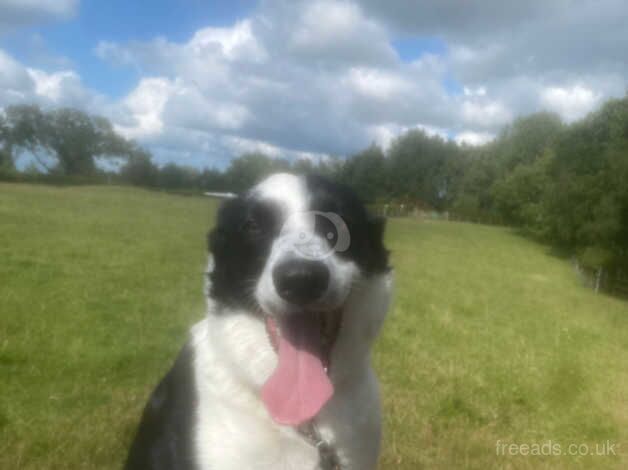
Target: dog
278	374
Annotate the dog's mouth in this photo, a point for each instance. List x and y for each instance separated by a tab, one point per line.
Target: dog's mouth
300	385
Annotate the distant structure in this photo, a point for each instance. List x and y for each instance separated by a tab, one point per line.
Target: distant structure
219	195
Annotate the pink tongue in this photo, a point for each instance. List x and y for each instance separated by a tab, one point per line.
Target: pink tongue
299	387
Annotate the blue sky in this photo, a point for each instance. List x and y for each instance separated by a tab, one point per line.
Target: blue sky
121	21
200	82
118	20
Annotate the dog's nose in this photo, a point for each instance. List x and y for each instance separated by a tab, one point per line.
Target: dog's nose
300	281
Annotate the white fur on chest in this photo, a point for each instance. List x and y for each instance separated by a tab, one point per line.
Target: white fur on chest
234	431
233	358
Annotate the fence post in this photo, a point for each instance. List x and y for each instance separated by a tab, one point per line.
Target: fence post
598	278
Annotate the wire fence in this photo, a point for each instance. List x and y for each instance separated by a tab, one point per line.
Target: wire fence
407	210
614	282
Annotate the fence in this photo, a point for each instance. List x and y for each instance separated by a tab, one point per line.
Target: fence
407	210
611	281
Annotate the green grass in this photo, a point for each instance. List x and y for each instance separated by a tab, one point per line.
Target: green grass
490	338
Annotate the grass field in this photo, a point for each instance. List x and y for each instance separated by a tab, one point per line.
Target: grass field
490	338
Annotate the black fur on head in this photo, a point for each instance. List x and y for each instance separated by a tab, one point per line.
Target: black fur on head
247	226
240	244
367	231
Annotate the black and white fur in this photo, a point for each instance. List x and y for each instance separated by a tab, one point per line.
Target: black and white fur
207	413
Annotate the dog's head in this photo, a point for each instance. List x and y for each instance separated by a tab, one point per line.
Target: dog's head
302	253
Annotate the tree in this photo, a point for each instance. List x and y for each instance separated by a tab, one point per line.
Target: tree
140	170
504	181
212	180
474	196
366	173
528	138
77	138
66	140
518	196
419	168
27	129
6	154
250	168
587	200
172	176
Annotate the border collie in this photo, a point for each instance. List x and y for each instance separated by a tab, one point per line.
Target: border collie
278	375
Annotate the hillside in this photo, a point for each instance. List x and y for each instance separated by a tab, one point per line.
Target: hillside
490	339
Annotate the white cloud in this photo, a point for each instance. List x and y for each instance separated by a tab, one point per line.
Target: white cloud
239	145
56	86
488	114
337	30
473	138
20	84
235	43
570	102
52	7
479	91
433	131
464	20
191	108
107	50
377	84
385	134
15	82
19	13
145	105
301	78
325	23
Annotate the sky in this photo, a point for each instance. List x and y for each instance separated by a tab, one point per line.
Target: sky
199	82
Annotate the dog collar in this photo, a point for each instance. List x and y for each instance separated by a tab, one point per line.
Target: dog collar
327	454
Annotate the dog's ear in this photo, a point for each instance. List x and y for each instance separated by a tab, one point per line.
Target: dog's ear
377	226
222	243
378	252
226	219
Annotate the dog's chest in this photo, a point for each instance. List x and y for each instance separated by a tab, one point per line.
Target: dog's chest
227	438
233	429
244	437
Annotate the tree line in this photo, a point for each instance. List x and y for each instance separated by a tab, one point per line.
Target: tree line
564	184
